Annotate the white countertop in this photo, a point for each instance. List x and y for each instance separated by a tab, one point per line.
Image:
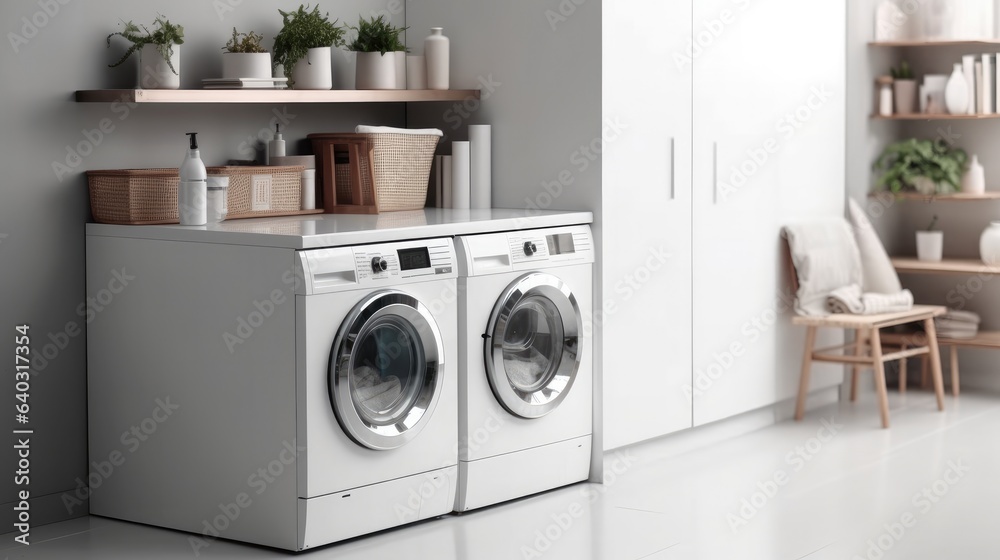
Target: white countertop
333	230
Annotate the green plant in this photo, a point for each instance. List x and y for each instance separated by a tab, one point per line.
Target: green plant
903	72
932	224
245	43
165	37
377	35
303	30
927	166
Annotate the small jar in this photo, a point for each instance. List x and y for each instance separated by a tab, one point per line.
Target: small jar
885	96
218	186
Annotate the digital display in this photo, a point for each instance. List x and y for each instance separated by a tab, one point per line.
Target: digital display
560	244
410	259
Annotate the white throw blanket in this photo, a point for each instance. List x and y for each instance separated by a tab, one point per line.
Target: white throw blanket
851	300
826	257
365	129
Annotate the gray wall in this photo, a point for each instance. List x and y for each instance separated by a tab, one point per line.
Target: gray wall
42	216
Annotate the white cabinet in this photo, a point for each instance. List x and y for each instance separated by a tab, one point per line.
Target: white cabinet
717	152
646	275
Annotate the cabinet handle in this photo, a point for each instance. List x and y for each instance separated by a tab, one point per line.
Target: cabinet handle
673	176
715	172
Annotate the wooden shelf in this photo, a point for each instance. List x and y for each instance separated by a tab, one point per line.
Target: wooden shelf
947	266
983	339
271	96
971	43
936	117
953	197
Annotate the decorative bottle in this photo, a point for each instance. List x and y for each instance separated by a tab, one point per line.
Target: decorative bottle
437	57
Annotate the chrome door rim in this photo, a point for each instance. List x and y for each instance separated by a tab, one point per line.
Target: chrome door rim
359	322
537	403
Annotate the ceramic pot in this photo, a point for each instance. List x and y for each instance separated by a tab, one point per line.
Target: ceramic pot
905	96
314	71
956	92
930	245
246	65
437	49
376	70
989	244
155	73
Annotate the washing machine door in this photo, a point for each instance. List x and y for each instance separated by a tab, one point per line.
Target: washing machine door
386	370
532	348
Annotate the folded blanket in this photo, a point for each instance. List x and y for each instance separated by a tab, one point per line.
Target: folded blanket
365	129
825	257
961	316
850	300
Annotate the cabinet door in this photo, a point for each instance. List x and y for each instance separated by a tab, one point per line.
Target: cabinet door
646	221
768	149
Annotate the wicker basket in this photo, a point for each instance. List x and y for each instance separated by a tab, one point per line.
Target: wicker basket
149	196
402	167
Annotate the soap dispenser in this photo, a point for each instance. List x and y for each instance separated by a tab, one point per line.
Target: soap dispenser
276	147
192	194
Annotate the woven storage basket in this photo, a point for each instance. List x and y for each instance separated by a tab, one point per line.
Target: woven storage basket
402	167
149	196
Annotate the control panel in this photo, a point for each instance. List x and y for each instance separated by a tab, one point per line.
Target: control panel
524	250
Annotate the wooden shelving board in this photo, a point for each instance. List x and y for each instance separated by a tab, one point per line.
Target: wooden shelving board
953	197
983	339
970	43
946	266
271	96
937	117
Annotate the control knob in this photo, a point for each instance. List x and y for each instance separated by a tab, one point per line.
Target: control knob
529	248
379	265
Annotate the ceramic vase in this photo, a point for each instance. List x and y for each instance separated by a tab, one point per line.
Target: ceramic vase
155	73
246	65
314	71
974	178
956	92
437	56
376	70
930	245
989	244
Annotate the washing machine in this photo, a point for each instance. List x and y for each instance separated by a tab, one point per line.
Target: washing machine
525	354
270	394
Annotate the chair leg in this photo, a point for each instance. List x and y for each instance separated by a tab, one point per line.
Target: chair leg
935	358
954	370
879	367
800	404
860	339
902	371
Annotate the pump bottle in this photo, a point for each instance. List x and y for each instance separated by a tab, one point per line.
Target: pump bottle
192	194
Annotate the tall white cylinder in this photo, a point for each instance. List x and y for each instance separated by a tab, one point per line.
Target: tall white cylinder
481	167
446	182
437	55
460	160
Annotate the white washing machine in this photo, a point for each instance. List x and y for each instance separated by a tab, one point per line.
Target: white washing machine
289	398
525	395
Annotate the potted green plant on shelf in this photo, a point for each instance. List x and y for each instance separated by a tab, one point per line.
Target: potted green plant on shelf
930	243
304	46
159	52
928	167
378	46
246	57
904	89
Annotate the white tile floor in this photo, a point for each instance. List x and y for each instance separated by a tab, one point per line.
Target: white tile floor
834	486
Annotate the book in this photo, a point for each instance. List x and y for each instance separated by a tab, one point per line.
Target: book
979	88
988	105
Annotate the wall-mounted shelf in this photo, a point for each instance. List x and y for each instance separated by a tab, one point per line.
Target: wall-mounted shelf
970	43
946	266
271	96
953	197
936	117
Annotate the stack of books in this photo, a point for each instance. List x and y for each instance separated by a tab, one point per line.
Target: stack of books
245	83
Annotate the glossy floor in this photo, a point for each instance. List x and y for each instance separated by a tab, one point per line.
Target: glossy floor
833	486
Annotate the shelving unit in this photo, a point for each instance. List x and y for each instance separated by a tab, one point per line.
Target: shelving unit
936	117
953	197
970	43
271	96
909	265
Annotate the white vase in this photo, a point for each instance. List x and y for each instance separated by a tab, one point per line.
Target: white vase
989	244
956	93
974	178
155	73
400	69
246	65
437	56
376	70
930	245
314	70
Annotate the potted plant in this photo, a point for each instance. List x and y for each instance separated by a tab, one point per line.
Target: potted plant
930	243
926	166
377	43
245	57
159	52
303	47
904	89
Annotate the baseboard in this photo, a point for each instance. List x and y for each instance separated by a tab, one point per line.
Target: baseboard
47	509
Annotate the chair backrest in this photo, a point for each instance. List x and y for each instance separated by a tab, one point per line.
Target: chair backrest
786	254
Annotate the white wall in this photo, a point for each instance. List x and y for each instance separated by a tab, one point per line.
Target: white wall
42	216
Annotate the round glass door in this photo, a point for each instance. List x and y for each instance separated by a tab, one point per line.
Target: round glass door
533	345
386	370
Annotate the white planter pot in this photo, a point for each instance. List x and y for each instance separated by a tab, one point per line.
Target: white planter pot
376	71
930	245
989	244
314	71
155	73
246	65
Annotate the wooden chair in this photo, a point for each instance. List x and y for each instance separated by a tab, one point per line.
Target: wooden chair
867	350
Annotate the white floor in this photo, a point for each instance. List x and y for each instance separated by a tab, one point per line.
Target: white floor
834	486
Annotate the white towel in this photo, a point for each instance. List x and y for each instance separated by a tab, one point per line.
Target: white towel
961	316
846	300
365	129
850	300
375	393
826	257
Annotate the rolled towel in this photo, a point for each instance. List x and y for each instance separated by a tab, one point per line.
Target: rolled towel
365	129
846	300
887	303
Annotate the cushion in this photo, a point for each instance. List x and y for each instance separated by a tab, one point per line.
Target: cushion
879	276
